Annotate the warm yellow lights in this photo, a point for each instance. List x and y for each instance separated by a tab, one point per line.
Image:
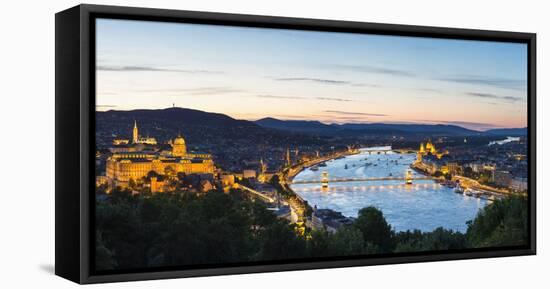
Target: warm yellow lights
121	168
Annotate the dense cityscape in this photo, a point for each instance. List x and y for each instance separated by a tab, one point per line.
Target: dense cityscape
249	145
499	161
141	158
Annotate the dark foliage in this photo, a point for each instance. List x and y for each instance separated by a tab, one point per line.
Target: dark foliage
503	223
181	229
174	229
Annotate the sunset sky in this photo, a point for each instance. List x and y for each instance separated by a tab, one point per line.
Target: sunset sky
251	73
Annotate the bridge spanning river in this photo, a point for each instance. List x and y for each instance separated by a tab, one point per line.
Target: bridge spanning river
408	199
346	180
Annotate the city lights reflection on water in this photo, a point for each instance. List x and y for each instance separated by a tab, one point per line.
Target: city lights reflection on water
423	205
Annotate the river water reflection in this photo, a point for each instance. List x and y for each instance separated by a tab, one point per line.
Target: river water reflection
424	205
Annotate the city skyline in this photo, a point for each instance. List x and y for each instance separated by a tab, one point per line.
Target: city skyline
252	73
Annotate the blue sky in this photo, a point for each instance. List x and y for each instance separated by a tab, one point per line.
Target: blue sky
251	73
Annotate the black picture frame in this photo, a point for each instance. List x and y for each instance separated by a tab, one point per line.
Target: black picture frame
75	135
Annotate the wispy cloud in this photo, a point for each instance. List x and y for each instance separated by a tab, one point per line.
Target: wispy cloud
373	69
207	90
354	113
301	97
318	80
494	96
366	85
333	99
516	84
434	90
328	81
152	69
279	96
212	90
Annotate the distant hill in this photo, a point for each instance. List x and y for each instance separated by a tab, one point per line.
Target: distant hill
200	124
180	115
306	126
198	127
212	132
508	131
350	129
436	129
234	144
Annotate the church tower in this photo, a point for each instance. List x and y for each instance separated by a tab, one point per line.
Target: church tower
263	169
287	157
135	135
263	166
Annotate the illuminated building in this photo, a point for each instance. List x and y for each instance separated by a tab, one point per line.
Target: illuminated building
156	185
519	184
206	186
454	168
121	167
120	142
249	174
419	157
263	169
179	149
227	180
429	148
135	134
136	138
502	178
422	150
287	157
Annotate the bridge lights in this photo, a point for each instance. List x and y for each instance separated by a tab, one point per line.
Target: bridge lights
408	177
324	179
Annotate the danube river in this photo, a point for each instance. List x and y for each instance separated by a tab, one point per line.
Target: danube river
424	205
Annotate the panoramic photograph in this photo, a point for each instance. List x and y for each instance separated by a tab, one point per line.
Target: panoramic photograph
225	145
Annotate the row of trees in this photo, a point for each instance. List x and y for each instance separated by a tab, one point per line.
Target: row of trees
174	229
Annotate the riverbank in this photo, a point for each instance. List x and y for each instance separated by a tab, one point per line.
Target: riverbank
298	168
467	186
423	205
300	208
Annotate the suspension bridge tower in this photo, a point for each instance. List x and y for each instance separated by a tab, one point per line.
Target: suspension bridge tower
409	177
324	180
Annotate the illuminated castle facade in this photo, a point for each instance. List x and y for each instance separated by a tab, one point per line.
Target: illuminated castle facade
123	166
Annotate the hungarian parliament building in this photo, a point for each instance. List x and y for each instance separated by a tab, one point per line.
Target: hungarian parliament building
134	159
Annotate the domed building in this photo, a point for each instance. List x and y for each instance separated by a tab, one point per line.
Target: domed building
122	167
179	149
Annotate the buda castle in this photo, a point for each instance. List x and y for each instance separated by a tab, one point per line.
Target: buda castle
134	161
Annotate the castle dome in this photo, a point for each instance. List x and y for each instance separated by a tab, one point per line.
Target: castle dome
179	141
